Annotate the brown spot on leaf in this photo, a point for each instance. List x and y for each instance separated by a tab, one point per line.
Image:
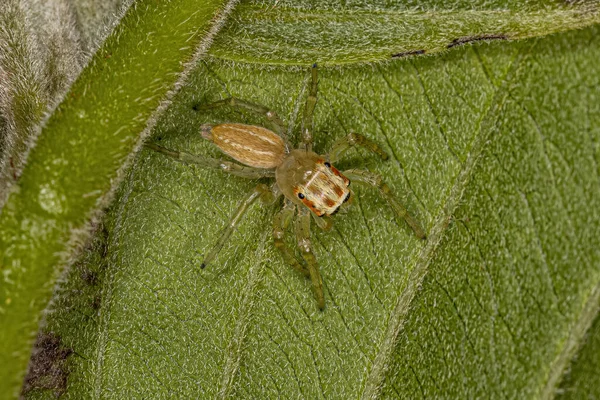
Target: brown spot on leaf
88	276
408	53
13	168
96	303
472	39
48	366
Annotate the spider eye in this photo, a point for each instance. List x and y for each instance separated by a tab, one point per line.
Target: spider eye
327	164
301	195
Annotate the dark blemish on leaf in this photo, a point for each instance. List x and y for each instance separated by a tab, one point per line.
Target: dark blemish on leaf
48	366
472	39
13	169
104	243
97	302
408	53
89	276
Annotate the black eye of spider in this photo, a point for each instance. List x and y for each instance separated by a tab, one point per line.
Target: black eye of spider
327	164
301	195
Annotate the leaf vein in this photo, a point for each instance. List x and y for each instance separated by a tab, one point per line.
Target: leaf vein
289	361
375	377
435	115
358	264
236	344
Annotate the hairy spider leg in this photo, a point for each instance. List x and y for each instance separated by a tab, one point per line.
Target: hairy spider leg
215	163
276	123
303	238
259	190
280	224
377	182
342	145
309	109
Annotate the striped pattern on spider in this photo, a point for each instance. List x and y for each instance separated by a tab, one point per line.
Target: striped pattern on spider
309	182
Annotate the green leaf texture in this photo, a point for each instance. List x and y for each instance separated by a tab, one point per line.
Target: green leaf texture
335	32
494	147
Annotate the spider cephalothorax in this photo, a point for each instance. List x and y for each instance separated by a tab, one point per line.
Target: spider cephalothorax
306	178
309	182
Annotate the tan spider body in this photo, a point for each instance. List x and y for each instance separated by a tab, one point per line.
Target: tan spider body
309	182
301	175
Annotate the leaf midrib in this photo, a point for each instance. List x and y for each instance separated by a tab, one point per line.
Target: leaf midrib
379	369
572	343
235	348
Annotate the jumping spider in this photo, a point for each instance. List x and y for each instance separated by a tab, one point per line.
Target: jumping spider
309	182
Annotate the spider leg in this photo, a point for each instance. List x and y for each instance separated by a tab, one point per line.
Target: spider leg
276	123
377	182
309	109
260	190
342	145
325	222
214	163
280	224
303	238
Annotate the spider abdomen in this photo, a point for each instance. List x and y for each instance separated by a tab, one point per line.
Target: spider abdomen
251	145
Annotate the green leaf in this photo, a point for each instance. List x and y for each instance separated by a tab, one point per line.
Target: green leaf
333	32
80	152
493	147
